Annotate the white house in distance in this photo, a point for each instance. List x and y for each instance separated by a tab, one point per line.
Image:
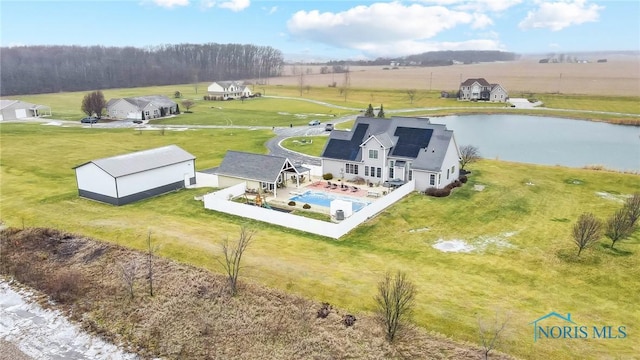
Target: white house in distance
480	89
127	178
16	109
394	151
224	90
141	107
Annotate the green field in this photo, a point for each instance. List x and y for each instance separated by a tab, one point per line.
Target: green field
524	265
283	112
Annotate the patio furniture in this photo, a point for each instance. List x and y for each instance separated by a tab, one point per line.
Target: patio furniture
334	186
354	189
328	184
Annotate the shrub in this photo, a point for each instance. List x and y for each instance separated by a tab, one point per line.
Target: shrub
348	320
324	310
64	287
327	176
463	179
358	180
306	206
292	203
438	192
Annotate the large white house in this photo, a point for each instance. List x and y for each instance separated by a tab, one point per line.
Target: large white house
393	151
481	89
123	179
223	90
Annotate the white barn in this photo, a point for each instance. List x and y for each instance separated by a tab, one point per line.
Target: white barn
127	178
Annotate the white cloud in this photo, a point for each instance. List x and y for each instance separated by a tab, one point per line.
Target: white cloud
233	5
559	15
475	5
271	10
382	28
171	3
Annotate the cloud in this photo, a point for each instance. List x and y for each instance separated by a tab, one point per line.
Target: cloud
376	29
171	3
559	15
475	5
271	10
233	5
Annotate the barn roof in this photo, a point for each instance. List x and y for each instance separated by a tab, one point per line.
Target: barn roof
140	161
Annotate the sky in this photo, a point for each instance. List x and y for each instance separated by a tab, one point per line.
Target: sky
330	30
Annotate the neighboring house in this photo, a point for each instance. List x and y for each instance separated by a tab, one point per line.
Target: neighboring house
141	107
123	179
260	172
480	89
223	90
393	151
16	109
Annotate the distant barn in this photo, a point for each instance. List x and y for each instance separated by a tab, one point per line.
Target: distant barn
127	178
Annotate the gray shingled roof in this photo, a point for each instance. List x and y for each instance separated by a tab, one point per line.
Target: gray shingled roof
142	101
265	168
384	129
480	81
140	161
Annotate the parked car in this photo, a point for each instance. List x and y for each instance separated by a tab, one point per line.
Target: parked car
314	122
89	120
137	121
328	127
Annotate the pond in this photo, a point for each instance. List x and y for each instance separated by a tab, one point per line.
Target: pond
548	140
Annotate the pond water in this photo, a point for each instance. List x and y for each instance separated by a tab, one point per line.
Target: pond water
547	140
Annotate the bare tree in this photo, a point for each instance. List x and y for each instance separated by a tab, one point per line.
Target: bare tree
395	302
151	249
232	252
490	333
632	205
93	103
618	226
188	104
129	273
586	231
468	155
411	93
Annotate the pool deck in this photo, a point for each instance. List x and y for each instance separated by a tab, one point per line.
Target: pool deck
352	190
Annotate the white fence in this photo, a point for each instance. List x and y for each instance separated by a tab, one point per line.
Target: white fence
220	201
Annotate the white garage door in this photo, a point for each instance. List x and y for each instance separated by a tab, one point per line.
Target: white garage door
21	113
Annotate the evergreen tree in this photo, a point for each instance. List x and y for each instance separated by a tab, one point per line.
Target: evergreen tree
369	112
381	112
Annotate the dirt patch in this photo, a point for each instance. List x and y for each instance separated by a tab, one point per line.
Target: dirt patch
205	321
479	244
613	197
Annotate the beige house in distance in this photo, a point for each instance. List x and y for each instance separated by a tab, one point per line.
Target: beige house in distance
481	90
141	107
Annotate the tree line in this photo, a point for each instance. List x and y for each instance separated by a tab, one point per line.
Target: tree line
48	69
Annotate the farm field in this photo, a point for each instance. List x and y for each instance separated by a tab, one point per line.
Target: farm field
619	76
521	261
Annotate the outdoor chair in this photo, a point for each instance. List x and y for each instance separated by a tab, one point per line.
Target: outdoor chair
328	184
354	189
334	186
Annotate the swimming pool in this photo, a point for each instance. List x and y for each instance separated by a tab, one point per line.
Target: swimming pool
324	199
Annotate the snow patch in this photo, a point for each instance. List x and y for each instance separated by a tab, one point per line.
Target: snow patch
453	246
612	197
419	230
53	123
478	245
47	334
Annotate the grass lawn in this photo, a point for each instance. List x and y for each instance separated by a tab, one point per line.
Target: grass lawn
282	112
310	145
524	266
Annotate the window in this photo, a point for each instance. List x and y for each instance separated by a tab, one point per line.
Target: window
351	169
391	171
439	176
448	174
373	154
379	173
453	169
410	175
432	179
366	171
